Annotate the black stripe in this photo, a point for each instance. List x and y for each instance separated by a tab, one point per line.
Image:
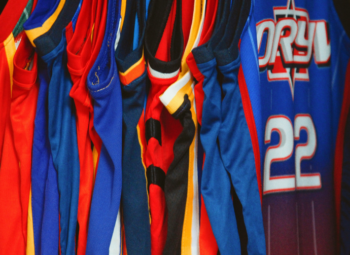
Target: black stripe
159	11
155	175
185	106
176	182
153	129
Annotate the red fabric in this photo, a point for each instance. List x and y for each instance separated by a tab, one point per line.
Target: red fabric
10	209
5	95
163	51
209	21
207	242
82	50
160	156
208	27
187	16
248	112
156	154
10	16
159	219
15	173
339	147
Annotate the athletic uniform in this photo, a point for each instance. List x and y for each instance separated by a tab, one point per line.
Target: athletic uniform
207	242
23	106
45	196
14	177
61	122
163	48
132	73
42	18
303	90
223	220
104	87
82	51
236	136
39	22
181	183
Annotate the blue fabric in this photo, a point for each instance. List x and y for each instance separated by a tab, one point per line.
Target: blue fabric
237	155
312	88
215	183
50	40
135	199
134	193
43	10
104	86
45	196
136	34
199	169
147	4
63	141
76	15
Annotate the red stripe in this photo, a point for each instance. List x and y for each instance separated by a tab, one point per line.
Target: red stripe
132	74
248	112
339	147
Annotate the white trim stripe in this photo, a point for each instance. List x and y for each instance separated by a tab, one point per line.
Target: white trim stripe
171	92
161	75
115	245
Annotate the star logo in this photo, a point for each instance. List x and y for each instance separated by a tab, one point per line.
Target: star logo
291	39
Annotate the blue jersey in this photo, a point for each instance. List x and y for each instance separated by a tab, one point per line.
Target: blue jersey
223	220
295	55
62	123
45	197
132	73
104	87
228	141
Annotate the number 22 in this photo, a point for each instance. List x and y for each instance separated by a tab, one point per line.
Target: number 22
284	150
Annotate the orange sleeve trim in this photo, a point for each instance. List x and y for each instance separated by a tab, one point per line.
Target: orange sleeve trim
134	72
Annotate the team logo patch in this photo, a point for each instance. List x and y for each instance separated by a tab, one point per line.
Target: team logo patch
290	41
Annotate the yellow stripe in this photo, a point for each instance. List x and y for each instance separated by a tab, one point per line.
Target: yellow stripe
95	158
178	99
172	106
196	21
38	31
122	13
133	66
10	50
92	31
30	231
144	167
187	227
